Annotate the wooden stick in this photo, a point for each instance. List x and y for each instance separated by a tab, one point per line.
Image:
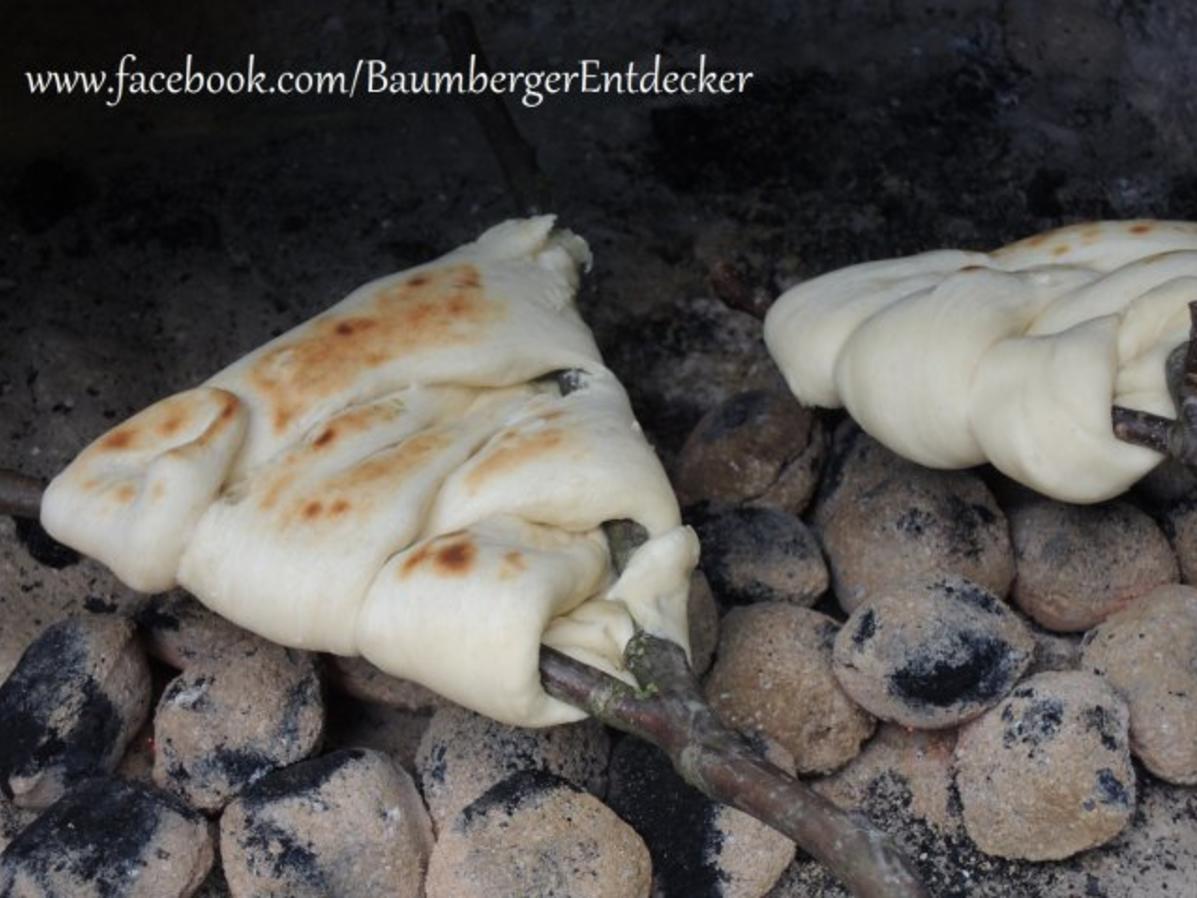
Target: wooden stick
525	181
1143	429
20	495
670	712
1173	437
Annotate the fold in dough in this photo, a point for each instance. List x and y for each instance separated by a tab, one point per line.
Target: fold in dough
402	477
1014	357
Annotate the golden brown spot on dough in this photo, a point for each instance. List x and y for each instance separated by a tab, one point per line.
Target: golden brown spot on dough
513	450
171	425
1091	234
415	559
457	558
446	307
275	490
551	415
513	565
451	555
351	326
468	279
356	420
228	408
125	438
1061	249
157	491
125	493
376	476
391	466
1141	228
1037	240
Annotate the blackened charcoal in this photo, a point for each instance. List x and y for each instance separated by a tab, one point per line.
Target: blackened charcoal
753	554
463	754
700	848
534	833
350	824
108	838
931	654
231	718
71	705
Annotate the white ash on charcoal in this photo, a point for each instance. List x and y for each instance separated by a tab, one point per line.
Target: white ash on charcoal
1148	653
177	630
230	719
108	838
1154	857
760	446
773	675
463	754
357	677
1078	564
358	724
702	615
921	760
931	654
752	554
43	582
699	848
77	696
1047	773
537	835
882	519
349	824
12	820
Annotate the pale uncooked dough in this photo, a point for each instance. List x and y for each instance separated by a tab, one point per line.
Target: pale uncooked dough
1014	357
402	477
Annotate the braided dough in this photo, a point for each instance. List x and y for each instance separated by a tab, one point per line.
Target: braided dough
1014	357
404	477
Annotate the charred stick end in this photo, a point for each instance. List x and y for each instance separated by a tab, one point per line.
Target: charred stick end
20	495
1191	353
1143	429
525	181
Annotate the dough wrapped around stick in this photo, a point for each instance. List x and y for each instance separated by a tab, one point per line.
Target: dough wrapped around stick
1014	357
419	475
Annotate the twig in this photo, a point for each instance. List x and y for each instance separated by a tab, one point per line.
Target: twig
1174	437
20	495
525	181
670	712
1143	429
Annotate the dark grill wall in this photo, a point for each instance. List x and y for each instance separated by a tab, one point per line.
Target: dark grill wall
151	243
